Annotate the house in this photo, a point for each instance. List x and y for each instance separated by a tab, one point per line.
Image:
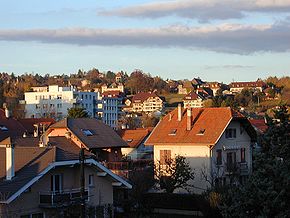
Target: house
135	138
217	142
193	100
91	134
185	88
146	102
53	181
112	104
54	101
237	87
113	87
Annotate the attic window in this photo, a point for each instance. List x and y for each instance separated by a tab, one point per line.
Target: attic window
172	132
201	132
87	132
3	128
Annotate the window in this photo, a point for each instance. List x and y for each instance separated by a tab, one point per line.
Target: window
56	183
243	155
219	156
91	180
87	132
59	105
165	156
231	133
59	97
172	132
231	159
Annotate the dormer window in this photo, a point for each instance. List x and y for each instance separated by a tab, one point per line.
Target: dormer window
201	132
87	132
172	132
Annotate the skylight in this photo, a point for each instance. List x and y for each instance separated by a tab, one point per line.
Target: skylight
172	132
87	132
3	128
201	132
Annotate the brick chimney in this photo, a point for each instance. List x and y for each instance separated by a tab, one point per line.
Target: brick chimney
188	119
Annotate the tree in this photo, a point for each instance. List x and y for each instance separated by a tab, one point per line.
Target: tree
267	191
77	113
173	174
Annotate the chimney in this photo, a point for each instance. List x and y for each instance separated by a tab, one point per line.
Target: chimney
7	113
9	162
170	117
188	119
179	112
36	129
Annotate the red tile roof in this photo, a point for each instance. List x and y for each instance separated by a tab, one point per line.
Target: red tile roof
143	96
259	124
134	137
208	124
112	94
192	96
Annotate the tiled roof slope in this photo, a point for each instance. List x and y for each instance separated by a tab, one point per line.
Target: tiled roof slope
134	137
29	162
102	136
207	126
12	127
28	123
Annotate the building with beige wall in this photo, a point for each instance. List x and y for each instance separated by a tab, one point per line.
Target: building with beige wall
146	102
45	181
216	142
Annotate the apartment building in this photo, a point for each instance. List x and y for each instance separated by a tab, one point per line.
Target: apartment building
54	101
146	102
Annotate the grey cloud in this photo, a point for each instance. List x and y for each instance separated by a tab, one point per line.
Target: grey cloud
203	10
226	38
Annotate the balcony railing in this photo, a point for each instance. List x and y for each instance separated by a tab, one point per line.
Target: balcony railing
237	168
63	198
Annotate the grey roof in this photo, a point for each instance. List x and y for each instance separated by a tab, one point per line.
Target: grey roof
102	136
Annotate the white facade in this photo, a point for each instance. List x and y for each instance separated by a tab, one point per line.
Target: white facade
55	102
193	103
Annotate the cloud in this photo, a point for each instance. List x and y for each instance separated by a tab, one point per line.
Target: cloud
229	66
203	10
226	38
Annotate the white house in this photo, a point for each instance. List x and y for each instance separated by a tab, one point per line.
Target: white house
217	143
54	101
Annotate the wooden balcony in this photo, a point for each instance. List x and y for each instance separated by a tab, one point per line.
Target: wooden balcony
61	199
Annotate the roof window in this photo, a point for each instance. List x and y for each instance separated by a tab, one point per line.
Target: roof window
87	132
172	132
129	140
201	132
3	128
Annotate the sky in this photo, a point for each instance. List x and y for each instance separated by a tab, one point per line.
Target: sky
216	40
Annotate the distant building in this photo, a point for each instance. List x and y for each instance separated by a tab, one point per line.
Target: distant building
112	104
217	143
146	102
54	101
193	100
113	87
237	87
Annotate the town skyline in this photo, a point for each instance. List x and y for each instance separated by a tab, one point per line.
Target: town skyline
216	41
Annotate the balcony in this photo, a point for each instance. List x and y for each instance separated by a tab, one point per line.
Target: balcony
61	199
237	168
120	168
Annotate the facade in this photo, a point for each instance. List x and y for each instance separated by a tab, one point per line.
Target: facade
112	104
237	87
217	143
46	181
146	102
54	101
